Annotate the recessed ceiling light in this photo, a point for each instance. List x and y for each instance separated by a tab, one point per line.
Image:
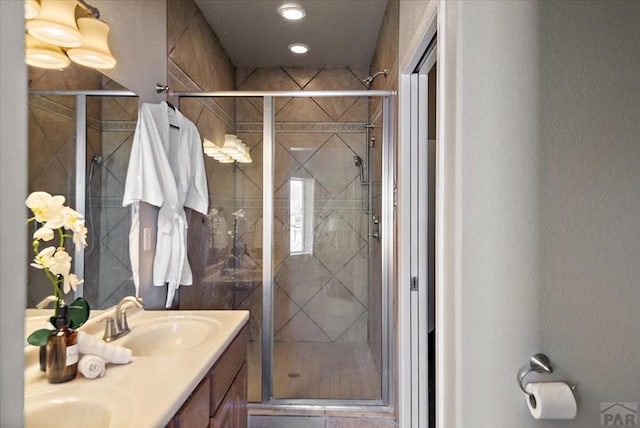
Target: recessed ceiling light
298	48
292	12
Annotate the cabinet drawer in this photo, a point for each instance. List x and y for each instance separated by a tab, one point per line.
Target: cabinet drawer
227	368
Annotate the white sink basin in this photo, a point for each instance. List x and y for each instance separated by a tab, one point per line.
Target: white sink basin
169	335
78	407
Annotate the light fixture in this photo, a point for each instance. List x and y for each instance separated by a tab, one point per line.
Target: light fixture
44	55
94	51
56	24
57	34
243	156
31	9
299	48
292	12
233	150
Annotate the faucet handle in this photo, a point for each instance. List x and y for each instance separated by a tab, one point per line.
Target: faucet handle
123	324
110	331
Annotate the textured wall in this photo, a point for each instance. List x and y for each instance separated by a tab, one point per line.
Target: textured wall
549	210
590	189
499	210
13	189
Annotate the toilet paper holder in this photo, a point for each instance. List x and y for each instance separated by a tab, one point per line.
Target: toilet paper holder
539	363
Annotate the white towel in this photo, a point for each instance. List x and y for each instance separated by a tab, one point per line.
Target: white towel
88	344
91	366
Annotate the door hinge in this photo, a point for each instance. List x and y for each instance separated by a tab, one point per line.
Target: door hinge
414	283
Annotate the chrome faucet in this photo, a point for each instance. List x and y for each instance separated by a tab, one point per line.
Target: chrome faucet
117	325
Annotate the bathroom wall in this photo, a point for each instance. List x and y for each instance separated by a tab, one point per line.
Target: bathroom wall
546	183
590	192
13	190
138	41
331	131
385	57
498	167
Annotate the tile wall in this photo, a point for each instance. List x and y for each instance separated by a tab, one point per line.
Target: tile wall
320	296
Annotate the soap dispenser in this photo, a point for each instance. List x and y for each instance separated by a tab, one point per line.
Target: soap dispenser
62	349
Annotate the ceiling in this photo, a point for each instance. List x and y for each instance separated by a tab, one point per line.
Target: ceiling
338	32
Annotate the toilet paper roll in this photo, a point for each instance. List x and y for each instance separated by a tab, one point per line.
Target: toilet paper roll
91	366
551	400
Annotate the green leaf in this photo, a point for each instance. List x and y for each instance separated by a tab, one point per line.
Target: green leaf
78	312
39	337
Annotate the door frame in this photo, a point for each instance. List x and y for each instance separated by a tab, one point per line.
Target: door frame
439	17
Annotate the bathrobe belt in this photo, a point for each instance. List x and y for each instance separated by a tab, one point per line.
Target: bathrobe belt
170	264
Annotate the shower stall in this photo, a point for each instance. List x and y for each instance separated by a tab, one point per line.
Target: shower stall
302	237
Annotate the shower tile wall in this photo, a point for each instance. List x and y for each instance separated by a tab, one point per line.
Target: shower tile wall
188	36
322	296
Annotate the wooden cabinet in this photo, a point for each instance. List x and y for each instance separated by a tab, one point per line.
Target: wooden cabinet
220	399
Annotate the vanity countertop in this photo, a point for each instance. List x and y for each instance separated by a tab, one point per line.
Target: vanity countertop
173	351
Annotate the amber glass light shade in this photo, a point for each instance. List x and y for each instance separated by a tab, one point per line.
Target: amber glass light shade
94	51
31	9
44	55
56	24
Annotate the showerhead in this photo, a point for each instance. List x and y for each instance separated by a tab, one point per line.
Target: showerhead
369	80
95	160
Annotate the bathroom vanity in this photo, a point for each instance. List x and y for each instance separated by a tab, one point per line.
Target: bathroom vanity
188	370
220	400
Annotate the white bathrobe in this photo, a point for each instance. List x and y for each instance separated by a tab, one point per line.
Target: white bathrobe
166	169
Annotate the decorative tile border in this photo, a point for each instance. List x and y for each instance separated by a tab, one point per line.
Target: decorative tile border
48	106
334	127
118	125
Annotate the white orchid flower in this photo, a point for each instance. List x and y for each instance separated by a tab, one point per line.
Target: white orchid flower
80	237
51	211
72	283
239	213
44	234
46	208
72	219
44	259
75	222
61	263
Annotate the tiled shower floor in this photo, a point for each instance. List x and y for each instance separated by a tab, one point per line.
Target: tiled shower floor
343	371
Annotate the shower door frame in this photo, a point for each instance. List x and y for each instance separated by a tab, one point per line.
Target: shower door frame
387	240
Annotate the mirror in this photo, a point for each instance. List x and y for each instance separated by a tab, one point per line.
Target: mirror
110	124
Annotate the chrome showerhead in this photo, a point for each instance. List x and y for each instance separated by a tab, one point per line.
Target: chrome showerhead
369	80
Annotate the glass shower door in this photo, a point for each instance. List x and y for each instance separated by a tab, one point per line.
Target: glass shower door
325	337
